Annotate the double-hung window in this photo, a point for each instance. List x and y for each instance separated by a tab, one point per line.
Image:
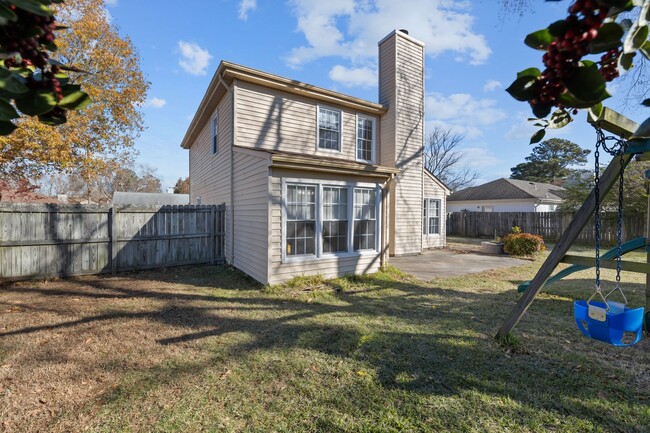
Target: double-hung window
365	219
323	218
329	129
365	138
431	216
301	220
335	219
215	133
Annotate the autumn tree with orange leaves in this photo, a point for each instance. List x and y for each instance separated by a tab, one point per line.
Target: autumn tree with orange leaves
105	130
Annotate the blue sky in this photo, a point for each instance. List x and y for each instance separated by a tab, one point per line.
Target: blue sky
473	51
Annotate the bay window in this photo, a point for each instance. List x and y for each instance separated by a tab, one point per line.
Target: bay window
365	219
301	220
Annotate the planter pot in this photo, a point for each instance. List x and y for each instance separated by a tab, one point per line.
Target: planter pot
492	247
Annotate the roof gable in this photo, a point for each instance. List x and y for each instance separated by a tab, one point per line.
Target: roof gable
509	189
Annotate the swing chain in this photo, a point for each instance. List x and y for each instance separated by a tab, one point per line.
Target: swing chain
601	140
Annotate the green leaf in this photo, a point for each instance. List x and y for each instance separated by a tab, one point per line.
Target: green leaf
646	102
537	137
559	119
6	15
541	110
33	6
625	61
522	89
530	72
539	40
558	28
36	102
621	4
596	110
51	119
73	98
11	84
609	36
6	127
7	111
636	38
588	85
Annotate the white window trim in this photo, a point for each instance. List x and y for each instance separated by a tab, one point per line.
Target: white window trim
320	149
319	220
214	127
373	144
426	217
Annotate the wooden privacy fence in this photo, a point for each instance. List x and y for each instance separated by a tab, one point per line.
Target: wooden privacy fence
549	225
40	240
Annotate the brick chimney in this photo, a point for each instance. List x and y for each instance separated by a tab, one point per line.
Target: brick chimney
401	88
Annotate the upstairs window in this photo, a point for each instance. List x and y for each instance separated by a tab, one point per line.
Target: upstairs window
431	216
329	129
215	133
365	138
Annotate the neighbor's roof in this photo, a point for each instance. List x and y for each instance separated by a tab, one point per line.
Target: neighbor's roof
149	198
509	189
227	72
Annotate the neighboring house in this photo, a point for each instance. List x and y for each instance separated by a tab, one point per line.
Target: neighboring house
24	196
507	195
316	181
150	198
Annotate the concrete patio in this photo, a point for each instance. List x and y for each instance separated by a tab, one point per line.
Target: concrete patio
447	262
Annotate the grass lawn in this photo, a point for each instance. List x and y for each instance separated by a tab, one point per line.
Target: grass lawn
204	349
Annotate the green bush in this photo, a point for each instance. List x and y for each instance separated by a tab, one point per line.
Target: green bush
522	244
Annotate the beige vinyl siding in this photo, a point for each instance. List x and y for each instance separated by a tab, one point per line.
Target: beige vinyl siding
329	267
273	120
409	142
210	173
433	190
251	212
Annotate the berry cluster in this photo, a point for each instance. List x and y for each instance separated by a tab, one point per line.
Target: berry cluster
28	38
565	52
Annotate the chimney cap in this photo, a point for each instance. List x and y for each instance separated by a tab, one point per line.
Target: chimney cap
406	32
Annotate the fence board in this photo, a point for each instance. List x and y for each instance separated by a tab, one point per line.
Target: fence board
38	241
549	225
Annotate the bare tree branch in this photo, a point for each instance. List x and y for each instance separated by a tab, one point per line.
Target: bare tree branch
442	158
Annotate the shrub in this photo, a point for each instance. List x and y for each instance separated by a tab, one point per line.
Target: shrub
522	244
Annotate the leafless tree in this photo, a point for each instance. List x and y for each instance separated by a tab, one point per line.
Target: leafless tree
443	159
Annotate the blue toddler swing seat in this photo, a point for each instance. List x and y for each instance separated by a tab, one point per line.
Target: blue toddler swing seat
608	321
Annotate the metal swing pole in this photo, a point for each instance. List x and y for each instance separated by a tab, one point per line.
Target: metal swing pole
647	277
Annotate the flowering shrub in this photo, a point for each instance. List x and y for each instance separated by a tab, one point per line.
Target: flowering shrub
522	244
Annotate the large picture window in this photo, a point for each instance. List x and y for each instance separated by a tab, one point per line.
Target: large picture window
329	129
301	220
431	216
322	219
365	138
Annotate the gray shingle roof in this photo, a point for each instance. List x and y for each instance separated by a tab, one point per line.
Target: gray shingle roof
509	189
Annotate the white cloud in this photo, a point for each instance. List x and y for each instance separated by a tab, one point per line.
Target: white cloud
194	60
479	158
522	129
246	6
462	112
491	85
352	28
111	2
156	102
354	77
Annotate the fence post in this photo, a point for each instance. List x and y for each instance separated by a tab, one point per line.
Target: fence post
213	234
113	239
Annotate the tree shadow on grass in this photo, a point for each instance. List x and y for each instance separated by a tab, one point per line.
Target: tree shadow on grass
434	341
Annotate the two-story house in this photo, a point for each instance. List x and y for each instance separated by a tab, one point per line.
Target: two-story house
316	181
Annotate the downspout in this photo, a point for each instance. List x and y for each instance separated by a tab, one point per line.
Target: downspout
232	168
385	226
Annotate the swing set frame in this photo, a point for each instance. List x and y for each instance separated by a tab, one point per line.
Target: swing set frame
613	122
